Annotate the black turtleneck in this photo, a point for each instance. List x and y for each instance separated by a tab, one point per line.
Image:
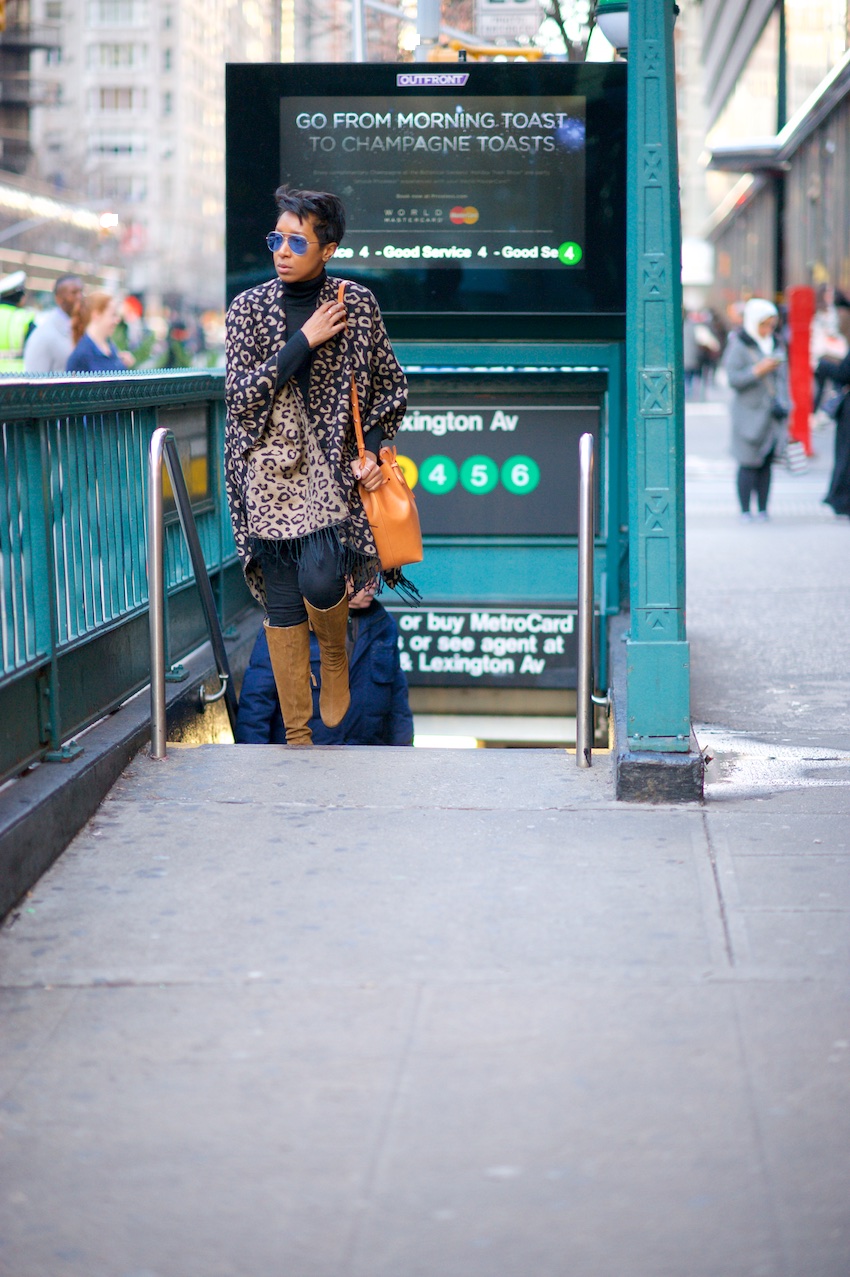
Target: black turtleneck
295	359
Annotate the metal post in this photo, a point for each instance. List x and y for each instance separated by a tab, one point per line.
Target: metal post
358	31
163	447
584	689
428	28
657	686
50	706
156	591
202	581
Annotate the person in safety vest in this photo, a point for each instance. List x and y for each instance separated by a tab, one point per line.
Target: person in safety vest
15	322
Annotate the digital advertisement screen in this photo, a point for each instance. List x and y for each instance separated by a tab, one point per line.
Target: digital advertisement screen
491	196
479	180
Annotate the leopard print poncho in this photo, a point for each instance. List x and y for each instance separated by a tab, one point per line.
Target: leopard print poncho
287	462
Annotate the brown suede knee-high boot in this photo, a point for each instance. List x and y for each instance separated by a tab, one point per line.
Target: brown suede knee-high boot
329	627
289	649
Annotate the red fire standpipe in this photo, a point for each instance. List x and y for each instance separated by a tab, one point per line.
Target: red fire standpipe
801	311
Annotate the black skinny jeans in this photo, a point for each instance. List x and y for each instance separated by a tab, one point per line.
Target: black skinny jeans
315	575
755	479
823	376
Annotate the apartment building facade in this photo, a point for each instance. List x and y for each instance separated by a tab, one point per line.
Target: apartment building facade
136	127
778	116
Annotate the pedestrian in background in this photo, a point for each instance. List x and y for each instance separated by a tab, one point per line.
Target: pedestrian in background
379	713
756	367
838	495
709	349
132	332
49	345
92	325
690	352
16	322
828	347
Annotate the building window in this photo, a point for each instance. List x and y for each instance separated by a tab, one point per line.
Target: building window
117	144
817	36
167	103
119	99
166	59
110	56
118	13
123	188
750	111
53	11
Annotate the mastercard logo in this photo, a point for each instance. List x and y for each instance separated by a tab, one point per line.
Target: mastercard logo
464	216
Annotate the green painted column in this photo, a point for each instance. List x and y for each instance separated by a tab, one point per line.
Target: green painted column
658	678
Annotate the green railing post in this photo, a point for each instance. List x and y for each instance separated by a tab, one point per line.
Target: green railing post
49	684
657	684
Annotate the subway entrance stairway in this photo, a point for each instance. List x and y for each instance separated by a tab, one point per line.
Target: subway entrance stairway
333	1013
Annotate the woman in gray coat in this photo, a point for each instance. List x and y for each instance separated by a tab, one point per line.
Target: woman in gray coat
757	371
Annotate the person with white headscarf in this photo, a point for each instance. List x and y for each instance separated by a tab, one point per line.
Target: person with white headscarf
757	371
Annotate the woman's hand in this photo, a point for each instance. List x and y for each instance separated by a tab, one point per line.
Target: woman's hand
764	366
127	358
369	473
326	321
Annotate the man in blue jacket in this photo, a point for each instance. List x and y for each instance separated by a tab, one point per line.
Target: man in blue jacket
379	713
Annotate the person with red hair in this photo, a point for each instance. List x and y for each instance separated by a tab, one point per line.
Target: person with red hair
92	324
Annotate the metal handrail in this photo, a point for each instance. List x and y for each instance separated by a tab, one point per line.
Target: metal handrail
584	681
164	448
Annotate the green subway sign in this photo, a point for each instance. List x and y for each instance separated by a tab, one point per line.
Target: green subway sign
487	646
495	469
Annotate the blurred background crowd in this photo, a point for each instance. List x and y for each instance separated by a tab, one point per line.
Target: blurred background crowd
74	329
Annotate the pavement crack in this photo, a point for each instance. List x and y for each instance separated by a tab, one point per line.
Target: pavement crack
355	1237
36	1049
718	889
772	1191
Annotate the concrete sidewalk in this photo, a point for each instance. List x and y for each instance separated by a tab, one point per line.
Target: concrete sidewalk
768	604
396	1013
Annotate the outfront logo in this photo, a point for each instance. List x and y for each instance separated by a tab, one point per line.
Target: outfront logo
431	79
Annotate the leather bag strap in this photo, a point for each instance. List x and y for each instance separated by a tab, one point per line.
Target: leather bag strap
355	398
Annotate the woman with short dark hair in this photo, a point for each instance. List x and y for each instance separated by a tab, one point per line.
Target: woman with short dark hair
291	463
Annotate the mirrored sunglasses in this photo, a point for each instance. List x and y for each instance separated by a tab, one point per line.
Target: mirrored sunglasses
297	243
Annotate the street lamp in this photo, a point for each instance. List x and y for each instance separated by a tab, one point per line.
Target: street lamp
612	18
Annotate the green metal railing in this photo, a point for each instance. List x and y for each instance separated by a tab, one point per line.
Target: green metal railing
74	637
73	576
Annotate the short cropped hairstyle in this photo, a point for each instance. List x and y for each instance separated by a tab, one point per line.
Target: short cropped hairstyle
325	209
